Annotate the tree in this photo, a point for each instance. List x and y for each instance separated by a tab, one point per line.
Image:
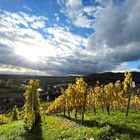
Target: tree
119	98
92	99
100	96
32	103
82	91
108	89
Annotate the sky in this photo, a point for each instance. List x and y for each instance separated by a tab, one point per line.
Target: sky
69	37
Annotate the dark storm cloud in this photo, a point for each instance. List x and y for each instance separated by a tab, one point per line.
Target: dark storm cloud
119	25
83	64
128	53
117	33
138	67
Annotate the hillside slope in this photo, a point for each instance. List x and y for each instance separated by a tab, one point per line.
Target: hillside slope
110	77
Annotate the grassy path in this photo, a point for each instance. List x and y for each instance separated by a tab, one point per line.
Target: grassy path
54	128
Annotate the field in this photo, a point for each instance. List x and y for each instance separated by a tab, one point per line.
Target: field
12	90
4	92
100	127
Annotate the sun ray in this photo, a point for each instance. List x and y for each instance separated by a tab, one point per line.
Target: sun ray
32	54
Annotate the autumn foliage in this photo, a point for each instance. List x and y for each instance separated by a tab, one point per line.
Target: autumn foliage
80	97
32	103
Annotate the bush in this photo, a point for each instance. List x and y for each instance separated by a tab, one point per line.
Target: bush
4	119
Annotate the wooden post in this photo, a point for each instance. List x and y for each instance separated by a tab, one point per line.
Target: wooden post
132	85
84	106
128	104
33	107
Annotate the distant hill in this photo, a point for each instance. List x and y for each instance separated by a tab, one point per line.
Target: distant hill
91	78
110	77
43	79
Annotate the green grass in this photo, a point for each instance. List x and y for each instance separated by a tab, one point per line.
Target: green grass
123	128
13	131
51	128
100	127
57	128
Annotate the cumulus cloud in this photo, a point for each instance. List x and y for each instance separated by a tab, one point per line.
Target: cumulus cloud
61	52
117	32
77	13
65	38
21	19
114	43
54	50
